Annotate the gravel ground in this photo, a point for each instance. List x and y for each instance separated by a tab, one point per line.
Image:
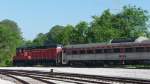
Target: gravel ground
132	73
5	82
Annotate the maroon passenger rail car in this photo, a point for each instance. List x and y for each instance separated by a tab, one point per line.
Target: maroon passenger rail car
38	55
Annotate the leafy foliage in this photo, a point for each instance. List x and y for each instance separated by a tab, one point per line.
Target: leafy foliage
54	34
130	22
102	27
80	33
10	38
66	36
39	40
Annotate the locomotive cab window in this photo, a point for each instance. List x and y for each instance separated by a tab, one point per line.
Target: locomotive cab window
21	50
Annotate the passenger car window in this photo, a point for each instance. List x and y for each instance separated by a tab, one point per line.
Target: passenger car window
140	49
107	50
89	51
98	50
116	50
128	49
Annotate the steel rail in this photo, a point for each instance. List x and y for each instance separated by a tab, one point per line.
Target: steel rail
47	76
72	76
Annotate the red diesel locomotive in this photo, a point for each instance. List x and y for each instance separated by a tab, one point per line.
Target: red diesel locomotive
42	55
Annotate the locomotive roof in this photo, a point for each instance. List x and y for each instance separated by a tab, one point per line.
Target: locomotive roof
85	45
126	42
106	45
123	40
40	47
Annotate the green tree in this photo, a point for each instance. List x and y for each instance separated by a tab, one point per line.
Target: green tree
131	22
80	33
54	33
10	38
39	40
27	43
66	37
101	27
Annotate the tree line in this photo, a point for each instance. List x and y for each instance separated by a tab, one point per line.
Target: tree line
130	22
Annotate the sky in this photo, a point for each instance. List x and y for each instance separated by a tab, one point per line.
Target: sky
38	16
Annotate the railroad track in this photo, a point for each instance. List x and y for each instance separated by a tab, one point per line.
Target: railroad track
51	77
